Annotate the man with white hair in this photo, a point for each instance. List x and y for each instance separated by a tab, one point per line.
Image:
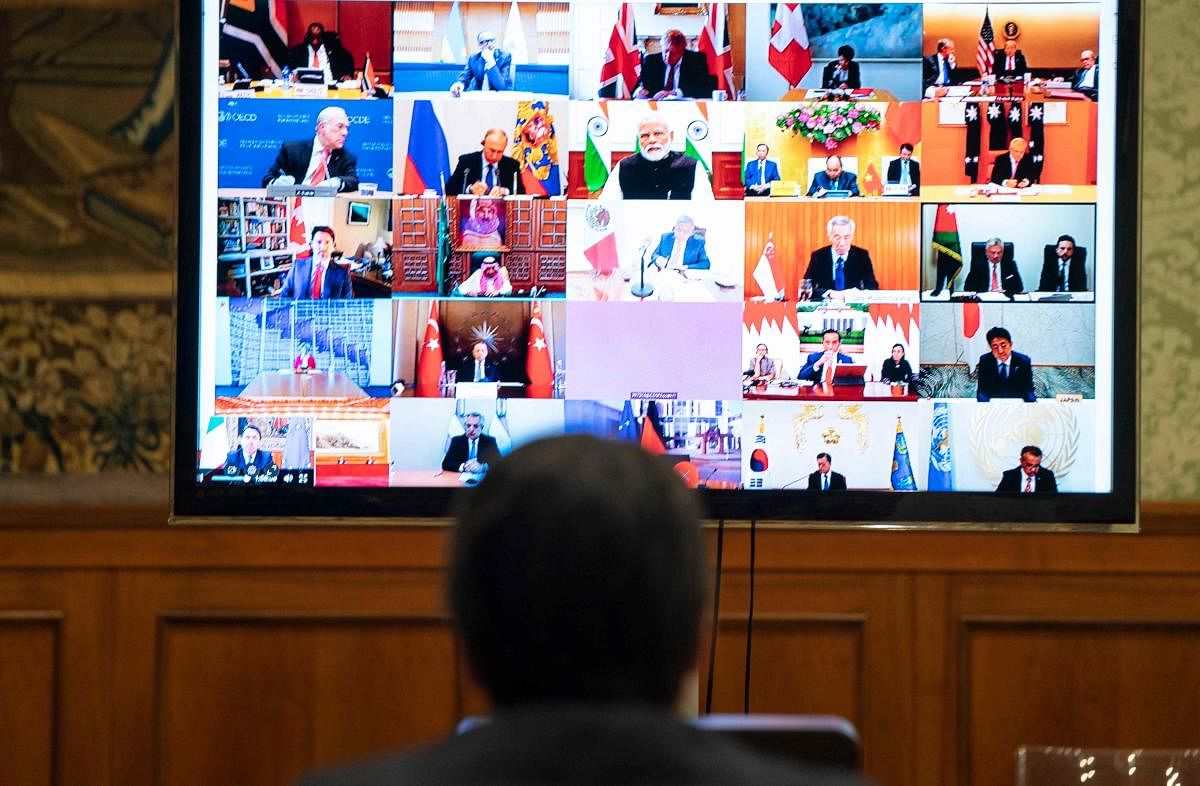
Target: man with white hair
656	171
320	161
1087	78
841	264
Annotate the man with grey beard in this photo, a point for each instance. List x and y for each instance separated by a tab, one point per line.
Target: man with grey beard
656	171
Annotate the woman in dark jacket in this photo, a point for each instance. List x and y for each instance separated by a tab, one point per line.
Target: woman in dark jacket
896	369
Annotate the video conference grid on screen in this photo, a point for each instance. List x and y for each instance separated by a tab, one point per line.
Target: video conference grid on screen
814	246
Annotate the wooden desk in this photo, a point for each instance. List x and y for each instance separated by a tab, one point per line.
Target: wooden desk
290	385
869	391
1054	194
697	286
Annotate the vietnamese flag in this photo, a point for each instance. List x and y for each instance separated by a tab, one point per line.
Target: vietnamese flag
538	366
429	363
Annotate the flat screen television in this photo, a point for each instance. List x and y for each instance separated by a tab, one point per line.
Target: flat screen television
839	263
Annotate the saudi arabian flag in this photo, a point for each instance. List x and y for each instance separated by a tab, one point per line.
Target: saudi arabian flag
691	151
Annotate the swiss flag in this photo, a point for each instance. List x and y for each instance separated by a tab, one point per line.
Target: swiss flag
429	363
789	53
538	366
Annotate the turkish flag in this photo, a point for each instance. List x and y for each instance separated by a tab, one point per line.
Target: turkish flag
538	366
429	363
788	51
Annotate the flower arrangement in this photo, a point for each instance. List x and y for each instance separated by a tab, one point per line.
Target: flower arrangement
829	124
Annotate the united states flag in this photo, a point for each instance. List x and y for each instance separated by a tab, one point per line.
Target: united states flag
623	60
984	53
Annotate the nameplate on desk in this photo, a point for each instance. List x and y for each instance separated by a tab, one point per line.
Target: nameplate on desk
301	191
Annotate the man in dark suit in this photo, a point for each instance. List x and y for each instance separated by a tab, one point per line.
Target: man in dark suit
1030	477
905	170
1009	63
1065	270
825	479
488	172
675	72
1087	77
996	272
823	364
937	69
490	67
317	275
579	613
247	459
843	73
1014	169
682	248
834	178
472	451
324	50
760	173
840	265
478	368
322	160
1003	373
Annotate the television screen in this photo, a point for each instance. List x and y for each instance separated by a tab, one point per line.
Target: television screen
839	263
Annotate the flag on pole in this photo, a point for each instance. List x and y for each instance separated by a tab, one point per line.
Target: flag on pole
691	151
602	255
367	83
627	430
595	163
428	165
651	441
623	61
214	445
535	148
714	43
941	470
971	142
871	184
1037	137
986	48
788	51
454	40
254	36
429	362
970	326
514	39
768	273
538	366
947	249
902	473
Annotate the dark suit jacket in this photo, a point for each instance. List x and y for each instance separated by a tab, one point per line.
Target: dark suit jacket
486	452
466	372
617	744
469	171
847	181
837	481
854	80
694	255
1000	63
929	72
1090	92
1013	480
235	462
1076	271
979	279
298	281
499	76
859	272
1003	169
293	160
1018	385
750	175
914	173
694	79
341	62
813	374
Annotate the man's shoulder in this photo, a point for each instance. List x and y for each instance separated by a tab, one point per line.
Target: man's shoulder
856	251
1020	357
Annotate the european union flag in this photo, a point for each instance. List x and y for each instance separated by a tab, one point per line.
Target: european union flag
941	470
902	474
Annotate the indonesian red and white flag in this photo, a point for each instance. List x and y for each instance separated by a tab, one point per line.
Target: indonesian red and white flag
714	43
768	273
429	362
623	61
538	366
789	53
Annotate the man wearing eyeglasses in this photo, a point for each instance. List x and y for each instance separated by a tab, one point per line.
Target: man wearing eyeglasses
488	69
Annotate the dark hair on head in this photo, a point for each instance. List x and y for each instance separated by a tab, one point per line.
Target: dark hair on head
906	146
998	332
1032	450
846	51
902	349
249	426
1068	238
825	456
827	331
763	144
326	230
577	574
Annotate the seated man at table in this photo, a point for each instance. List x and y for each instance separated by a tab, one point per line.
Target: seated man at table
1063	272
1014	169
1087	77
821	366
247	459
840	265
1029	476
682	248
490	280
834	178
994	273
488	171
1003	373
1009	63
324	50
478	368
825	479
675	71
490	68
905	170
937	69
656	171
317	275
472	451
762	369
320	161
760	172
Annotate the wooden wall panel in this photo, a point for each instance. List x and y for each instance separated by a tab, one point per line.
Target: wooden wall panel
28	706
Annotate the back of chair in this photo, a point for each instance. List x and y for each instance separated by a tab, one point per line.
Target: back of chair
1049	255
1046	766
813	740
979	252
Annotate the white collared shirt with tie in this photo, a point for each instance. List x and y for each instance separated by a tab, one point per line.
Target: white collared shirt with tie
825	482
480	374
905	177
671	75
1030	483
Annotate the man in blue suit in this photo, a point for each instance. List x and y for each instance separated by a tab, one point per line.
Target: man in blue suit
681	249
325	280
834	178
488	69
760	173
247	459
825	361
1003	373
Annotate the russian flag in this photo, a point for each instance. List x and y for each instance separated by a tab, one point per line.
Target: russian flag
428	165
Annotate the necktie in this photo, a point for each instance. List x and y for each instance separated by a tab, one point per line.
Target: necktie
471	453
762	172
839	274
904	172
824	483
318	279
995	277
1062	276
1003	371
322	169
1029	484
315	62
670	85
827	375
1009	65
945	71
479	371
490	180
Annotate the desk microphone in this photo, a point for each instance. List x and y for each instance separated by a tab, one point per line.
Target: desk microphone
794	482
704	483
